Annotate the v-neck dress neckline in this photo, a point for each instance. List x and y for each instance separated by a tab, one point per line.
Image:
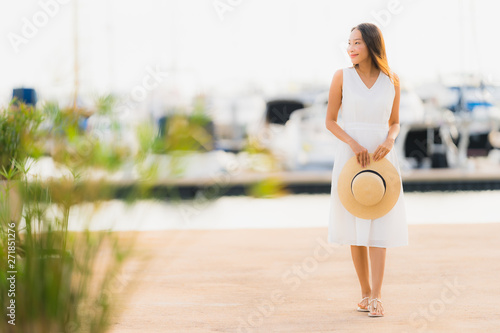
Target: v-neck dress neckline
363	84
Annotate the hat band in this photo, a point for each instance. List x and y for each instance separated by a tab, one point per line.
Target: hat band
372	171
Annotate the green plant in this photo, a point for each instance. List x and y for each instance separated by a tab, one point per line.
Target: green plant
80	150
62	280
61	284
20	137
185	133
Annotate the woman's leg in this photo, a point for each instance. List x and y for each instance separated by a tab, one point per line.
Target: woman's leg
360	259
377	260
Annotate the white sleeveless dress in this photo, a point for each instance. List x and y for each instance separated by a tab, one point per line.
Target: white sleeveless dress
364	115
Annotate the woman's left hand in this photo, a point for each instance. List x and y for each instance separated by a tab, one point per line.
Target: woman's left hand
383	149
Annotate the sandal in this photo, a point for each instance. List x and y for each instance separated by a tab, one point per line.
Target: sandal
365	308
372	308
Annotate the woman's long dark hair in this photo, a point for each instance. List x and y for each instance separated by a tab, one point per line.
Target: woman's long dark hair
373	38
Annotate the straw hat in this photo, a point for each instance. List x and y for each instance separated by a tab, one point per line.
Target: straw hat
369	192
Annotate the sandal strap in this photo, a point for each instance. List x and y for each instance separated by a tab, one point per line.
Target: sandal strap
376	300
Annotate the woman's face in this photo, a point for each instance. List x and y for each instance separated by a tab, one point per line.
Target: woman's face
356	48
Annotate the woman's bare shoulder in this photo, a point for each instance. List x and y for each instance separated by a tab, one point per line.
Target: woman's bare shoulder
339	73
337	82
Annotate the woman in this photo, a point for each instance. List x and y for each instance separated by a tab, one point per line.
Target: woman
367	96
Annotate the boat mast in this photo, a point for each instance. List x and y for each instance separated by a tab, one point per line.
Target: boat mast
76	83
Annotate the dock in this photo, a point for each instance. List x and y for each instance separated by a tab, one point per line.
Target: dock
319	182
215	181
290	280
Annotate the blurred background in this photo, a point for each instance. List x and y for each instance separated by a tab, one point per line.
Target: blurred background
210	114
257	74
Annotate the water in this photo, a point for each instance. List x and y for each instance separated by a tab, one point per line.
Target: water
292	211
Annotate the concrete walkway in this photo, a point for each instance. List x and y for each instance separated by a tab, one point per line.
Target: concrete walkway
290	280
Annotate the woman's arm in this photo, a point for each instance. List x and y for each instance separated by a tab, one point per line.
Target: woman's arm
394	119
383	149
334	102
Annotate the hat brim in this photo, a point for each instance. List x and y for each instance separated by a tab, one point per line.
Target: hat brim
393	187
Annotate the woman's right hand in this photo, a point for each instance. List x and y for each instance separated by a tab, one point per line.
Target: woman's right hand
361	153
